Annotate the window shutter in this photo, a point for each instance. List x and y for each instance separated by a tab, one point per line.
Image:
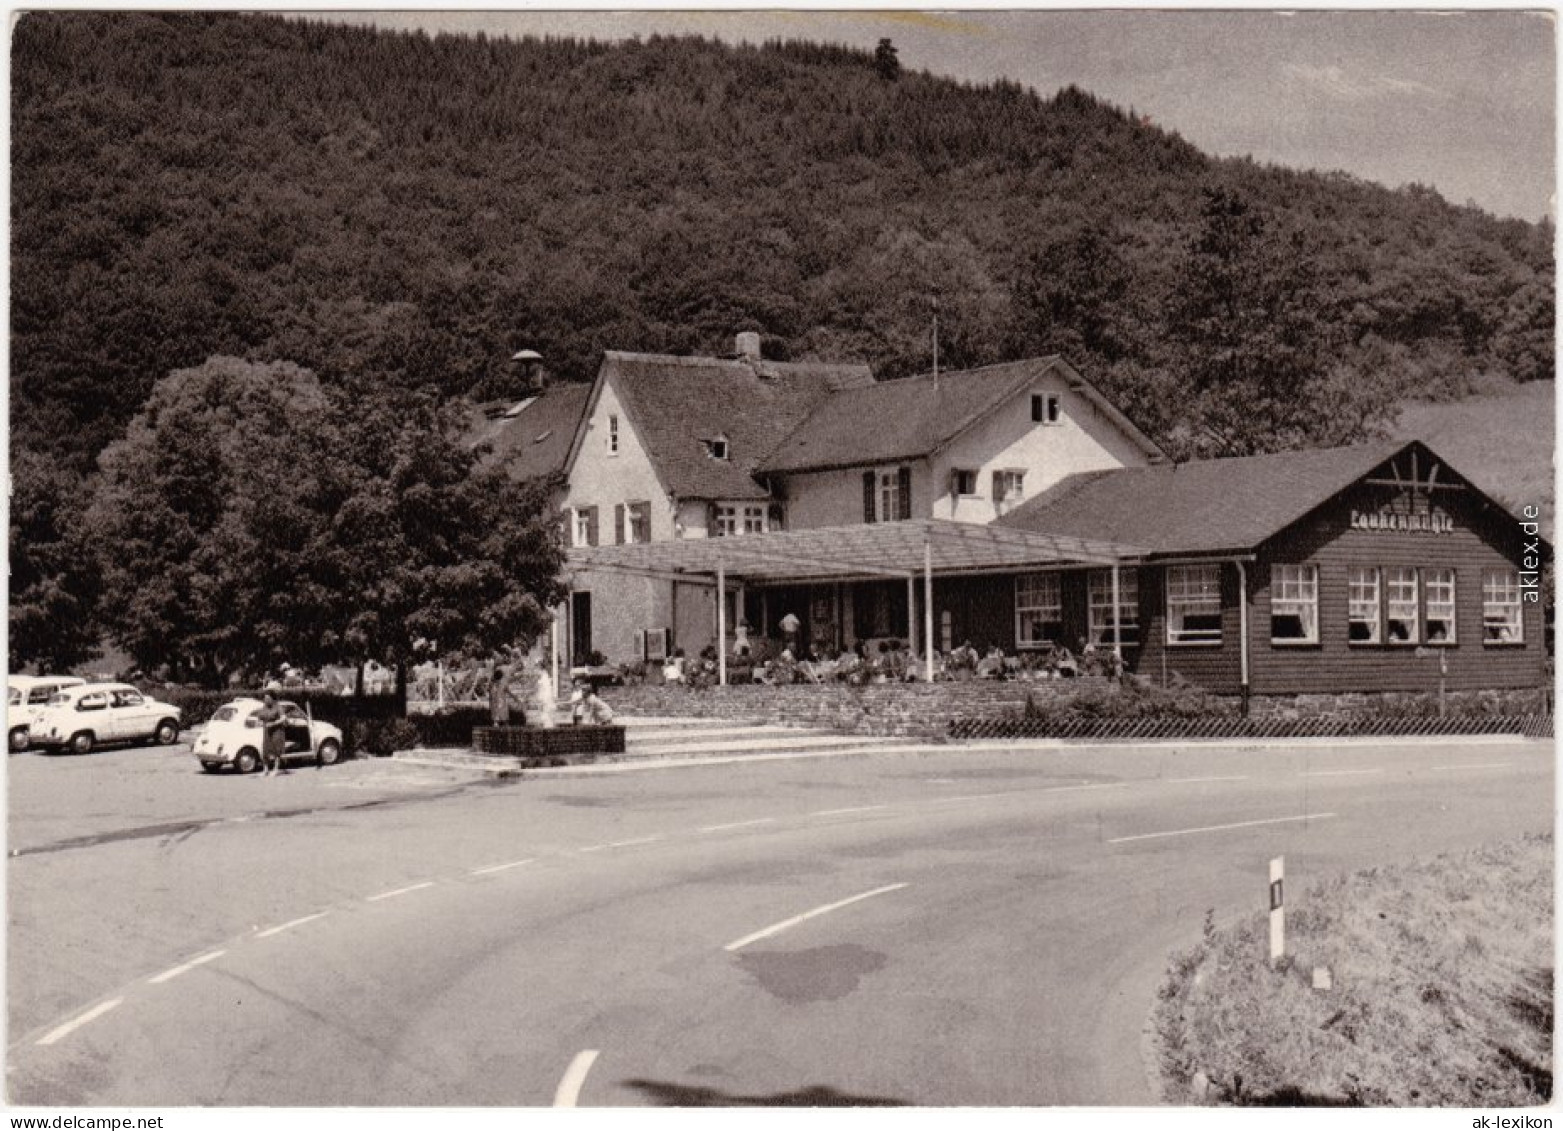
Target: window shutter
640	643
618	522
591	526
868	496
712	530
904	489
998	486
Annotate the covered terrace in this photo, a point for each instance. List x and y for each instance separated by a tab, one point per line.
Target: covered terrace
911	550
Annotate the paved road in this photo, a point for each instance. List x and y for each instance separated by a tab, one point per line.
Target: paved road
971	927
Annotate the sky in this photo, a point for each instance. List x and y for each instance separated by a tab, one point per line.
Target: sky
1463	101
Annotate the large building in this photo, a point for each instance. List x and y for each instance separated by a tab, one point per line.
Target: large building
1014	506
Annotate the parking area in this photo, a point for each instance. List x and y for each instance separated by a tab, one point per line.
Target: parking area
58	798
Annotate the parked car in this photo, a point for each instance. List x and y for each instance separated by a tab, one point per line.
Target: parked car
234	737
93	714
27	696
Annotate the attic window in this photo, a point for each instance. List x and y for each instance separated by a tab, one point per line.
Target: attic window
716	447
1046	408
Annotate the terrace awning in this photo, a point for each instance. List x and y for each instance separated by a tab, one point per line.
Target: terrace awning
859	552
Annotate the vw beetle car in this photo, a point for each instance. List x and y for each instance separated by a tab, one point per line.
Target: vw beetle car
93	714
27	696
234	737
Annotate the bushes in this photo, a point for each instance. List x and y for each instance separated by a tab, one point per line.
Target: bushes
380	738
1130	699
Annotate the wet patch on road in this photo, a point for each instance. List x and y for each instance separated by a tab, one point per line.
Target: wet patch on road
822	973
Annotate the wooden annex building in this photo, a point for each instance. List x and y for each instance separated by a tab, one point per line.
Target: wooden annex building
1370	568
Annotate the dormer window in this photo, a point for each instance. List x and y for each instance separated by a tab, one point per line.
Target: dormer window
716	447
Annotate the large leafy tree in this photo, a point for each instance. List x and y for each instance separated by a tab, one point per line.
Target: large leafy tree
248	518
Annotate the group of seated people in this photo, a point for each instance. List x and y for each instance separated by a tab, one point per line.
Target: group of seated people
889	661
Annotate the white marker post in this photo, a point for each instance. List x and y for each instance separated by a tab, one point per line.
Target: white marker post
1277	910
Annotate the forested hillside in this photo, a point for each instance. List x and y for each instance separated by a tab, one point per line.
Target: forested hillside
407	210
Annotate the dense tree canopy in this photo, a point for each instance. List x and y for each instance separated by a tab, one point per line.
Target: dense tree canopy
241	525
416	209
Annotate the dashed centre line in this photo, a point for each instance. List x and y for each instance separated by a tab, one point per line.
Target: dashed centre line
569	1090
398	891
622	843
288	926
500	867
1220	828
737	825
1474	766
1336	773
778	928
844	812
61	1032
170	975
1190	781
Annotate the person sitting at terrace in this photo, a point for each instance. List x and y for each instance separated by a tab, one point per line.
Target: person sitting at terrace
588	707
673	667
991	666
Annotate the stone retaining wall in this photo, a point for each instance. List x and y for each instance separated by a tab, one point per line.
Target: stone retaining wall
925	710
921	710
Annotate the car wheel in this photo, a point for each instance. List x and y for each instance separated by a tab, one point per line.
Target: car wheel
81	742
330	752
19	739
246	760
167	733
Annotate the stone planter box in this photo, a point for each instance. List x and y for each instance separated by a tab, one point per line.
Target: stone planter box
573	743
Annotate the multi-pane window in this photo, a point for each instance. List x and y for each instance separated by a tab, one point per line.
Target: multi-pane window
1009	486
963	482
1194	604
1039	610
889	496
731	520
1099	607
585	526
1439	596
613	435
638	522
1363	608
1400	586
1502	622
1046	408
1294	604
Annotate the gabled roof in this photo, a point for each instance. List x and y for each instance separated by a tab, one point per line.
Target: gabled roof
1206	506
912	418
676	404
532	437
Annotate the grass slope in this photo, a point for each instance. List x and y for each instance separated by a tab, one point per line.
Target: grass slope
1503	440
1442	992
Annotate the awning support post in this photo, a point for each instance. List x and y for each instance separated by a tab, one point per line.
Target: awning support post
721	624
928	609
911	612
553	642
1242	634
1117	633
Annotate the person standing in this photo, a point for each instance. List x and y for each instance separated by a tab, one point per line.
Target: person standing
274	740
499	697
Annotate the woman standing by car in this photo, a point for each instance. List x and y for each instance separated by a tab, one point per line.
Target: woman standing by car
275	744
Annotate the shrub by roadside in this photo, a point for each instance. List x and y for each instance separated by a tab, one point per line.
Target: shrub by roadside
1442	992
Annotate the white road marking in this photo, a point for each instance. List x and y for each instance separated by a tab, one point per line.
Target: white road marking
399	891
1335	773
1221	828
65	1030
972	797
737	825
170	975
1076	788
777	928
569	1089
841	812
1474	766
266	934
620	844
1190	781
500	867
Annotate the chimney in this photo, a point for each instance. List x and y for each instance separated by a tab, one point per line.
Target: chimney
749	345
